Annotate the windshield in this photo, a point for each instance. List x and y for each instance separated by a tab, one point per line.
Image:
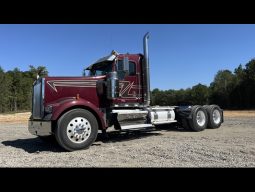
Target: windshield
100	69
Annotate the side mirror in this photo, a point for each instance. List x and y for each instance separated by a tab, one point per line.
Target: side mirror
84	73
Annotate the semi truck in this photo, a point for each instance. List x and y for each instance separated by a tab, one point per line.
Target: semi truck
115	93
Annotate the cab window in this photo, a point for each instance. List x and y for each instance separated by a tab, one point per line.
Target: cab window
122	72
101	69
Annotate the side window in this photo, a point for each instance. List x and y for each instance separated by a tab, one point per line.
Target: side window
120	70
132	71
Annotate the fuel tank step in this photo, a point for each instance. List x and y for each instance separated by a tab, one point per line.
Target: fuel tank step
131	117
136	127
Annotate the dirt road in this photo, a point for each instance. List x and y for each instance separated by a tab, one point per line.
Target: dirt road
232	145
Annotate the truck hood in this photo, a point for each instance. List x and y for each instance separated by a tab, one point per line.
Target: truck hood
66	87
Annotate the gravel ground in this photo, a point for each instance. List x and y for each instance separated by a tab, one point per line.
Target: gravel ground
232	145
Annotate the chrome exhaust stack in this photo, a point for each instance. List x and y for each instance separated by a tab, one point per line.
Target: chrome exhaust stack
147	97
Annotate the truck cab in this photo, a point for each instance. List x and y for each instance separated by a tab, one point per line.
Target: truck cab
128	68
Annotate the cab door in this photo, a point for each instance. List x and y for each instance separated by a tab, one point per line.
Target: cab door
129	88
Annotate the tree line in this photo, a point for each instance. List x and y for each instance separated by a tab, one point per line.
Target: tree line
230	90
16	88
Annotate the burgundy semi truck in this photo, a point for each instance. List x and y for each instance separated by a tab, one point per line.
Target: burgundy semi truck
116	92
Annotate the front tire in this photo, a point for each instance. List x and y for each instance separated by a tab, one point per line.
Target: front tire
77	129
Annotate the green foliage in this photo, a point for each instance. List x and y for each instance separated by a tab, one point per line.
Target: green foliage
40	71
197	95
221	88
16	88
228	90
5	84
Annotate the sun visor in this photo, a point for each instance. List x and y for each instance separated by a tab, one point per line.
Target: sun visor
104	59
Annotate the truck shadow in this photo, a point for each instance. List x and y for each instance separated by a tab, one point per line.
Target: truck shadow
37	145
34	145
171	128
116	136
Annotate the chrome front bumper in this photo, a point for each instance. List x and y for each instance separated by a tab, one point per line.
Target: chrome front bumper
40	128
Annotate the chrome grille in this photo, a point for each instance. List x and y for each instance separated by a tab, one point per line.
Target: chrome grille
38	97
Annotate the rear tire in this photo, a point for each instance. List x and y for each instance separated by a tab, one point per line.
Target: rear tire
199	119
215	116
77	129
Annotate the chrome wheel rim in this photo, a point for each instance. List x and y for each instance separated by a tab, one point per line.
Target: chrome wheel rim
200	118
78	130
216	116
